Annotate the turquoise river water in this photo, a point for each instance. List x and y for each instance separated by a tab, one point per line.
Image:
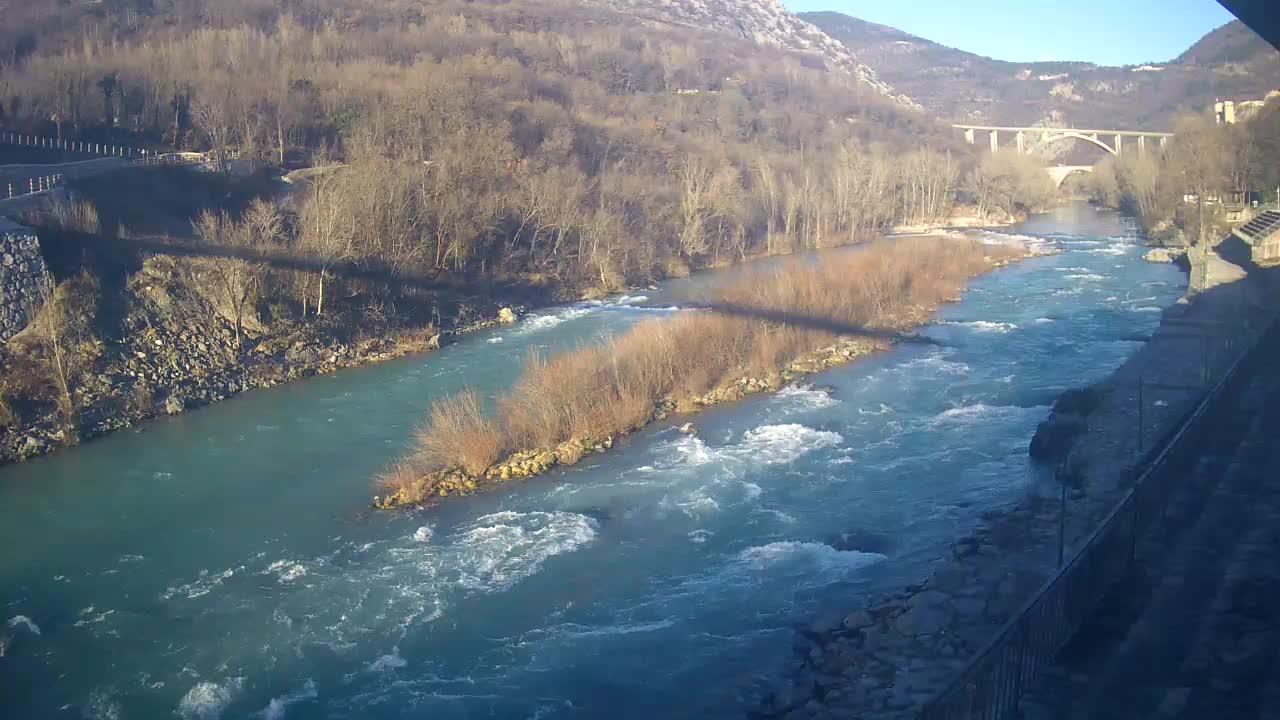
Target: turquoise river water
223	563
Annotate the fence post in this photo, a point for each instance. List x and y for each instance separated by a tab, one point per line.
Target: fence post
1204	373
1141	409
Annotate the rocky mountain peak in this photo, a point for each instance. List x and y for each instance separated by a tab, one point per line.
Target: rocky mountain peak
765	22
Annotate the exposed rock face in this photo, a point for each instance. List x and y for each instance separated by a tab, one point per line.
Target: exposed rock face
765	22
22	273
1164	255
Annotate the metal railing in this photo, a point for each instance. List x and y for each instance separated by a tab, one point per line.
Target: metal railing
991	684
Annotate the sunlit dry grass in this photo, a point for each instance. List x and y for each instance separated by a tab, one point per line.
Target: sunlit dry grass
614	387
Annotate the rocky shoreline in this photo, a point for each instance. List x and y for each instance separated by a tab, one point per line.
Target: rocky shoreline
885	659
169	359
530	463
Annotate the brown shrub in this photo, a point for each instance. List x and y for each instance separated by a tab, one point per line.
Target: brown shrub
459	434
612	388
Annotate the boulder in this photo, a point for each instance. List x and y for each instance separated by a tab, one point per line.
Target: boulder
825	624
507	316
174	405
1164	254
1067	420
857	620
927	613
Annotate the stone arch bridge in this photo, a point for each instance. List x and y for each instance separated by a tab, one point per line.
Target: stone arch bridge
1112	142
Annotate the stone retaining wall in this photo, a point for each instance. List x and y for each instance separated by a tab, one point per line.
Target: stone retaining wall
22	273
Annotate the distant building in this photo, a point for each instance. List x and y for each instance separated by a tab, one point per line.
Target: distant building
1228	112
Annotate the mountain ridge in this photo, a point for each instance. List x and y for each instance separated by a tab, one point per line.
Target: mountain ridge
1230	62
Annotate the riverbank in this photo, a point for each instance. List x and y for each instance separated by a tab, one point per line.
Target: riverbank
173	352
583	401
885	659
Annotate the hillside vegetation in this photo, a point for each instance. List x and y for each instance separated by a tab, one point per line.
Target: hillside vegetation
460	150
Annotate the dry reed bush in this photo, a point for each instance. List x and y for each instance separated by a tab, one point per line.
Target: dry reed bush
459	434
77	216
613	388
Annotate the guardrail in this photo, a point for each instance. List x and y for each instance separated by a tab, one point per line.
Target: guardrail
91	148
43	183
991	684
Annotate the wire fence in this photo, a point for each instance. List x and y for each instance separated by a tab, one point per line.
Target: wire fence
991	684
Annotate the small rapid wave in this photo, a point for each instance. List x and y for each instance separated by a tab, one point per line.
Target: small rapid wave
276	708
285	570
22	621
981	412
983	325
204	584
802	398
805	557
207	700
546	321
498	550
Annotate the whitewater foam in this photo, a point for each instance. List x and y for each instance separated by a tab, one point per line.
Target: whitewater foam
801	398
206	700
423	534
494	340
775	444
536	323
22	621
285	570
390	661
275	710
1084	276
805	557
499	550
980	412
984	325
1110	250
202	585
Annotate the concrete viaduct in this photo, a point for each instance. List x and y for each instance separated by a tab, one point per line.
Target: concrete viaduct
1111	141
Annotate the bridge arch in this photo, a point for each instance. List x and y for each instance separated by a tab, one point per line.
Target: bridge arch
1055	137
1060	173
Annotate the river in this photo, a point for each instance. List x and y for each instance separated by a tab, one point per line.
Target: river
222	563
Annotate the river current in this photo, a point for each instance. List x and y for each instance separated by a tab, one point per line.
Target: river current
223	564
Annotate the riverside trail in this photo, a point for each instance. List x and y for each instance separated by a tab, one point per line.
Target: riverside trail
220	564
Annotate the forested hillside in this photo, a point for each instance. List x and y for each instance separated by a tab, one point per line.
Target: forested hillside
547	137
453	149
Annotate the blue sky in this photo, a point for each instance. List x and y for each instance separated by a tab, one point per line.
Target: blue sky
1107	32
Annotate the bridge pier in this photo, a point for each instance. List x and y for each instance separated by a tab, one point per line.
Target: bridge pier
968	136
1022	142
1163	140
1119	145
995	141
1142	144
